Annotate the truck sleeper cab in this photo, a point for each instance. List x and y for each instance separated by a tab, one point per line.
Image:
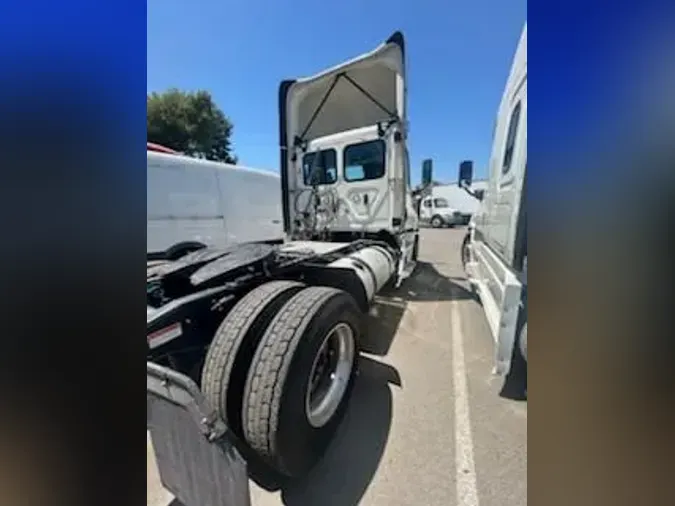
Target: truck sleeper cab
495	248
344	162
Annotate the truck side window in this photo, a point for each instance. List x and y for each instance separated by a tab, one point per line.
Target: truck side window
364	161
320	167
511	138
427	203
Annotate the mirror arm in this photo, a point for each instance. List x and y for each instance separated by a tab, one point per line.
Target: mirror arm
468	190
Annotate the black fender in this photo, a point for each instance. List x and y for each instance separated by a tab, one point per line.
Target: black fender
182	248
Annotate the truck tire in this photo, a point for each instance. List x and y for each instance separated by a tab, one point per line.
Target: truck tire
466	258
301	379
522	342
465	251
522	351
233	346
437	221
416	248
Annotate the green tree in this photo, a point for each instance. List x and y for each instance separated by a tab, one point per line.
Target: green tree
190	122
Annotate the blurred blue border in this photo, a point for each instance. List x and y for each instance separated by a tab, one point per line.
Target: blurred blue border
90	54
586	61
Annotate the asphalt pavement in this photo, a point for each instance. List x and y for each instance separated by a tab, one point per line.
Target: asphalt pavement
427	424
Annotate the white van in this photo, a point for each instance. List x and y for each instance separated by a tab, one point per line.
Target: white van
194	203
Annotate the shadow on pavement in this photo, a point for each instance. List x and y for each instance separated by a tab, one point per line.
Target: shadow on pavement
343	475
425	285
428	285
382	325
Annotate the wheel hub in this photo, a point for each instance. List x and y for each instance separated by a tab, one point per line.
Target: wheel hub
330	375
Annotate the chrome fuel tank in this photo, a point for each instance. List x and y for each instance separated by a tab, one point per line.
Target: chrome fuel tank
374	266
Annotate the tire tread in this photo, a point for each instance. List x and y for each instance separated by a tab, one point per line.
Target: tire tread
232	331
264	389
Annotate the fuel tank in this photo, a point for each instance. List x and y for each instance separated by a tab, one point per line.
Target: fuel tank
373	265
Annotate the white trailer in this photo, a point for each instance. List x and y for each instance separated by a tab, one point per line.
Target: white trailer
495	249
194	203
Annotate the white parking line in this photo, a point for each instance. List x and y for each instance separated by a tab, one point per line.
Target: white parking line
467	493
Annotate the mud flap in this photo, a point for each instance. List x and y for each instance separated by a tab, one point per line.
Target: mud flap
195	453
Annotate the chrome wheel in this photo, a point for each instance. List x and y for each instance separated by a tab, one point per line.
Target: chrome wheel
329	375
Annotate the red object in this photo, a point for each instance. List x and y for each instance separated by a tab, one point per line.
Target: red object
160	149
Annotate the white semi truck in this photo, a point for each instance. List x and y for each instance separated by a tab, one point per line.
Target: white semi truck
458	199
494	251
448	205
437	211
252	349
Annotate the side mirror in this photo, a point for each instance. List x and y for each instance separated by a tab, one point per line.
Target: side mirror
465	173
479	194
427	169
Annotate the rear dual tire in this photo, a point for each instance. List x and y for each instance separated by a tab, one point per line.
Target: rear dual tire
261	370
227	361
279	423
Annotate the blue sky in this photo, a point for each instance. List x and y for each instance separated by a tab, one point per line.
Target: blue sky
458	56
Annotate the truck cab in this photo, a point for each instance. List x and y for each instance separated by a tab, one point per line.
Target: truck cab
345	168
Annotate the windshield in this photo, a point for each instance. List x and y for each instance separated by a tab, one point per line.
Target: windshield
441	203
